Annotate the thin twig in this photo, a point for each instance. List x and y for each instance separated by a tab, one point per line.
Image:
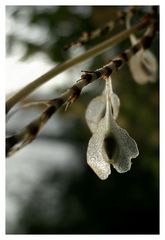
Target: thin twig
108	27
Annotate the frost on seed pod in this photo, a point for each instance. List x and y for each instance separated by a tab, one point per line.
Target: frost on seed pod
109	144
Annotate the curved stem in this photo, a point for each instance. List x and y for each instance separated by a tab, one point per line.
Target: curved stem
103	46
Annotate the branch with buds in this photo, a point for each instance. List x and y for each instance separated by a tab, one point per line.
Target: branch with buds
98	49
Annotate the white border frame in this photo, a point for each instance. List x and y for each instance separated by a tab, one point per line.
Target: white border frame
3	235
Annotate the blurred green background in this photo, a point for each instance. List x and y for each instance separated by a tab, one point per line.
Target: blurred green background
71	199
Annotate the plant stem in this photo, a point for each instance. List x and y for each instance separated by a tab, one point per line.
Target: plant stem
98	49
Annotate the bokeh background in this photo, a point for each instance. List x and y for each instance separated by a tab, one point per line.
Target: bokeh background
50	189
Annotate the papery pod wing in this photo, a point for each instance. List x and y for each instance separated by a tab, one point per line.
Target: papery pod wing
124	148
94	112
97	158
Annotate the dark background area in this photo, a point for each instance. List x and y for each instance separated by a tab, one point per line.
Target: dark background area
77	202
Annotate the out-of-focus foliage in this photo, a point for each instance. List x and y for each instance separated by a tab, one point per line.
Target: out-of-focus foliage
125	203
58	26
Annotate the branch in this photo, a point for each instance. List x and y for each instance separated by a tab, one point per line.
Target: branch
70	63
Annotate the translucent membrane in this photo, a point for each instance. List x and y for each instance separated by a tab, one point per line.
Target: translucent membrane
109	143
143	65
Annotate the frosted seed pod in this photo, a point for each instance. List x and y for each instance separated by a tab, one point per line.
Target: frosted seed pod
110	144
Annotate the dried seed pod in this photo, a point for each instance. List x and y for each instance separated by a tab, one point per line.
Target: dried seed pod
110	144
143	64
143	67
